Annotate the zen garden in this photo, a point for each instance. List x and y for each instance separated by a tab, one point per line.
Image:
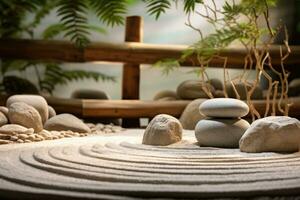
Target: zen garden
150	99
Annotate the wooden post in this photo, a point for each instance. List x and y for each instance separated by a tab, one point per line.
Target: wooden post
131	72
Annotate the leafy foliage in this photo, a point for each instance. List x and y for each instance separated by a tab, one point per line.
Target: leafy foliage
55	75
167	65
72	13
157	7
110	12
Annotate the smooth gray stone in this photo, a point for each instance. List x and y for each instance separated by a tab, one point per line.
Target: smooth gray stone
220	132
242	91
36	101
89	94
224	108
191	115
272	134
193	89
216	83
163	130
294	87
65	122
25	115
165	95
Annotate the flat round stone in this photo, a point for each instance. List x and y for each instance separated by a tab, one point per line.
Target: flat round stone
224	107
220	132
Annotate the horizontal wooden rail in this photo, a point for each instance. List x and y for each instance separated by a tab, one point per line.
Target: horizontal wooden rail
129	52
134	108
131	108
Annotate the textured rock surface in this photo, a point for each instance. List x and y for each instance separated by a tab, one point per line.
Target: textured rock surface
242	91
89	94
3	119
191	115
277	134
220	132
4	110
117	166
224	107
51	112
25	115
65	122
165	94
14	129
163	130
38	102
192	89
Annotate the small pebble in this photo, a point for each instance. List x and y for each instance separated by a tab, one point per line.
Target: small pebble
23	136
20	141
13	138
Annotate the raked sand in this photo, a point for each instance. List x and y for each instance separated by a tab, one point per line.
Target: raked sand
118	166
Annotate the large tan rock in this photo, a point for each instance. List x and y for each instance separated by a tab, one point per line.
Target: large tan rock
36	101
163	130
25	115
65	122
191	115
193	89
272	134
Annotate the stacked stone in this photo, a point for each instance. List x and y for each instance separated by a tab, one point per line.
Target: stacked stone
223	126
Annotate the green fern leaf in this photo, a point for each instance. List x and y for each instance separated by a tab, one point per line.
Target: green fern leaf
73	18
110	12
157	7
189	5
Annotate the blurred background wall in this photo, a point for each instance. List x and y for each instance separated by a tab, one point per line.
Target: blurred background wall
169	29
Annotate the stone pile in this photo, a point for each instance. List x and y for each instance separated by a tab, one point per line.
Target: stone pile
223	126
28	118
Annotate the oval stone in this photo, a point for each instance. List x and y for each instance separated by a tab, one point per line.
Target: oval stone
224	133
193	89
272	134
25	115
66	122
242	89
165	94
3	119
4	110
224	107
163	130
191	115
51	111
15	129
36	101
